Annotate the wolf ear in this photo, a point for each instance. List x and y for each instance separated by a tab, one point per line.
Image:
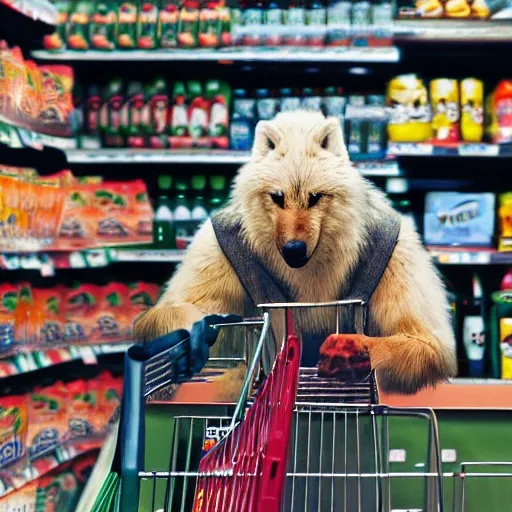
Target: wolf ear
330	138
266	139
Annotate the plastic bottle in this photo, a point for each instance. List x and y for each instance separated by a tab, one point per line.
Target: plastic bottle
182	213
295	23
316	19
111	113
158	100
218	192
133	115
242	124
273	19
164	236
199	211
252	18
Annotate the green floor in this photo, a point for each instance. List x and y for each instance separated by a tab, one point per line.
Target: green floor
475	436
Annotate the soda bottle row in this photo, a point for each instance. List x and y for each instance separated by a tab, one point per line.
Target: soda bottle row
362	117
156	114
183	204
106	25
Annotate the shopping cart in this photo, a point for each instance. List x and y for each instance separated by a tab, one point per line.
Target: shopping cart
294	441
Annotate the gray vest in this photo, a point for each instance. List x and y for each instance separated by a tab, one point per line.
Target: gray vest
262	287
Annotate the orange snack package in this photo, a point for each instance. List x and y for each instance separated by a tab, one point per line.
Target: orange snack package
79	409
80	309
48	415
116	315
13	429
110	393
48	304
143	295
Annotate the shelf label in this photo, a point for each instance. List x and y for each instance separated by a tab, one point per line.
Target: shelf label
397	455
88	355
410	148
479	150
449	455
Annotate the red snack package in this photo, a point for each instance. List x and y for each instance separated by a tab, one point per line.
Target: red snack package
109	398
79	409
13	429
143	295
81	304
115	315
48	425
48	302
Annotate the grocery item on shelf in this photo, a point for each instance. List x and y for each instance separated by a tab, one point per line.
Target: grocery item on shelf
49	484
363	117
410	114
472	109
444	95
63	212
457	109
37	98
148	25
455	9
462	219
186	115
13	430
473	332
36	9
505	222
499	113
84	314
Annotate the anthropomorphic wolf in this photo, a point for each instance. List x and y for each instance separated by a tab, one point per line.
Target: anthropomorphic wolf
312	222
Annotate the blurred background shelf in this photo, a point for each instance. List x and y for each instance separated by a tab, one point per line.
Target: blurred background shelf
462	394
360	55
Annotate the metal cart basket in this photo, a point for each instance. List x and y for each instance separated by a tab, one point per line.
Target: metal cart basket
295	442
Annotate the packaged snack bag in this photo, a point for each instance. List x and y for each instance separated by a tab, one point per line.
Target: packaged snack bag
147	25
49	303
47	419
80	306
31	102
8	303
115	316
472	119
57	492
168	24
96	419
22	500
499	113
444	95
79	409
110	394
143	295
13	429
127	25
78	26
410	110
103	25
57	104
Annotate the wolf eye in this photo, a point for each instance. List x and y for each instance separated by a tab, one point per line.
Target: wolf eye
325	142
270	144
313	199
278	199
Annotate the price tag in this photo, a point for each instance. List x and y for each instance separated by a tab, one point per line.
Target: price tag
397	455
97	258
411	149
449	455
479	150
88	355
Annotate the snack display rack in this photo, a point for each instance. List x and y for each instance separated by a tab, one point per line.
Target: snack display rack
407	171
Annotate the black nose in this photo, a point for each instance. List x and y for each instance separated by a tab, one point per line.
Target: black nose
295	253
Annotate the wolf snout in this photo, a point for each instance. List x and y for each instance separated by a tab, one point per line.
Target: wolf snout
295	253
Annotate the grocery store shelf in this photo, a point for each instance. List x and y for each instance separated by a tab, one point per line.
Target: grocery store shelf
462	394
414	149
469	256
43	465
391	54
444	30
156	156
25	362
198	156
148	255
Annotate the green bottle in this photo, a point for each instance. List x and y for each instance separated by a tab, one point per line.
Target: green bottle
164	234
217	192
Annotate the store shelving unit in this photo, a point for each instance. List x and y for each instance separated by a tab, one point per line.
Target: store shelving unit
321	55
